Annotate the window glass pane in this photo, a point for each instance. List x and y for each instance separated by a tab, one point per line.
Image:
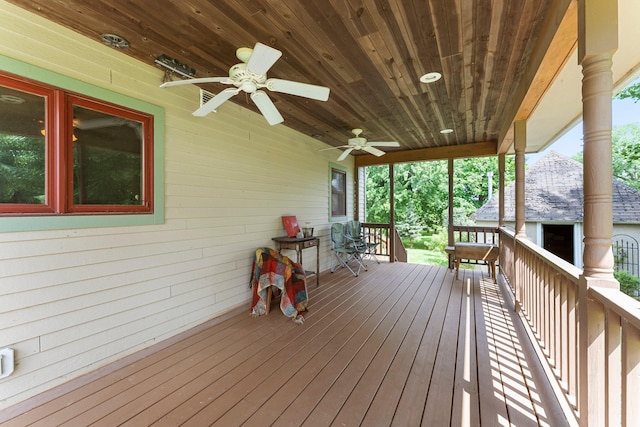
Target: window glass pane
22	147
107	159
338	193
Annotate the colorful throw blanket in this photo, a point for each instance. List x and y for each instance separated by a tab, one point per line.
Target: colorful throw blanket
270	268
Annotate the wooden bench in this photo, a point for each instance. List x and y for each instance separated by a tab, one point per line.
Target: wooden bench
486	252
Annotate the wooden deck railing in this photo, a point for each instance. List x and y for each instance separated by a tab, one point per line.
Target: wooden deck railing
596	365
471	234
381	233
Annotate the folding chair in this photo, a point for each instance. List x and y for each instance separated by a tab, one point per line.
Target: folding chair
363	245
343	252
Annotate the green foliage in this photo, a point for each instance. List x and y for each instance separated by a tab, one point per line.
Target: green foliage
629	284
626	154
630	92
377	194
409	227
421	192
22	167
625	149
421	256
437	241
100	176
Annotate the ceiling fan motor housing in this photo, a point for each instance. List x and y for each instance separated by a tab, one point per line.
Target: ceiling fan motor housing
244	79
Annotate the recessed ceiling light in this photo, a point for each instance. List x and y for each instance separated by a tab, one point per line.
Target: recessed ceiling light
430	77
114	40
445	131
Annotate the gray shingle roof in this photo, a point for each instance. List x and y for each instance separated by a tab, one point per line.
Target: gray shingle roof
553	192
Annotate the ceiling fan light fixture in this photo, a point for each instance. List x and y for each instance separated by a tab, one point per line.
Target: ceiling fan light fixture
446	131
430	77
114	40
244	53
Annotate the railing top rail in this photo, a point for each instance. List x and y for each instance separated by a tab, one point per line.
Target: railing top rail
375	225
558	264
618	302
475	228
508	232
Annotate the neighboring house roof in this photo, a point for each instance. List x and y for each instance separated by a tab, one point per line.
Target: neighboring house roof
553	192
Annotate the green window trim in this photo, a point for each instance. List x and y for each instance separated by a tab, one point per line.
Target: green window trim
33	223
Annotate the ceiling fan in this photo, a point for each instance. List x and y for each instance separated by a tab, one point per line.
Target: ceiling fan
360	143
250	76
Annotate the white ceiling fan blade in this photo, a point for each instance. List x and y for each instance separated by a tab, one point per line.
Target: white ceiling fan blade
215	102
333	148
320	93
224	80
344	154
373	151
262	58
266	107
383	144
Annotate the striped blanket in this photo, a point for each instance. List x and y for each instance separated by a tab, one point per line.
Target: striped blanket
270	268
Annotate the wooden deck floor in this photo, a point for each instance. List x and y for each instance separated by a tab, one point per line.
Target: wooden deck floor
401	344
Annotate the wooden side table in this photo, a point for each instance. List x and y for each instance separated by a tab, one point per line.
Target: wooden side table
299	245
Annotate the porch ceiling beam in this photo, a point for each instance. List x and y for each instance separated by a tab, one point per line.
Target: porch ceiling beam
479	149
550	55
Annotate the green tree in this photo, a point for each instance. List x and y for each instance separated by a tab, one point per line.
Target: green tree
625	149
409	227
377	194
471	183
630	92
421	191
625	141
22	168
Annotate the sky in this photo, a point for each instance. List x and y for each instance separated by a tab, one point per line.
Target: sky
624	111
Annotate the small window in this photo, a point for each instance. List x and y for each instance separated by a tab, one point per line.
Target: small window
62	153
338	193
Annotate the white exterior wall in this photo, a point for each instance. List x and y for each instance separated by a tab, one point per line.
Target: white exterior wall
72	300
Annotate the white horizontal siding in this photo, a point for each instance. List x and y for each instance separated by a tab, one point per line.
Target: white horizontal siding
73	300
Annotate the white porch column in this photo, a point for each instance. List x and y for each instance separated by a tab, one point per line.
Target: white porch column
597	41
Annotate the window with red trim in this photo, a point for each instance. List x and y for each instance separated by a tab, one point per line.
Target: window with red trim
64	153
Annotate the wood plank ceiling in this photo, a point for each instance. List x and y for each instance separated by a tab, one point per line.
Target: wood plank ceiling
370	53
